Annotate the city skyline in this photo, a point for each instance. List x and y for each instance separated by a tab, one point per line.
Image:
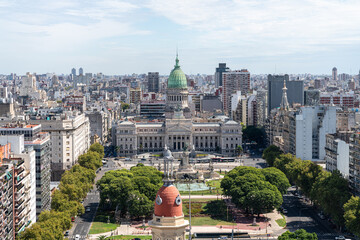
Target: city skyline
123	37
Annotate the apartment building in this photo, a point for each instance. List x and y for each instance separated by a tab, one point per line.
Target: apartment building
34	138
69	136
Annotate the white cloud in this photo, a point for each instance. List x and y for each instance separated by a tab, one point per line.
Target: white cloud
267	27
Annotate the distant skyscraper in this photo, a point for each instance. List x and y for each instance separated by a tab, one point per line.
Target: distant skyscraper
81	71
73	72
295	90
232	82
334	74
218	74
153	82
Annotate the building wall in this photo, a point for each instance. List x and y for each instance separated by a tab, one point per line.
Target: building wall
343	157
295	91
69	139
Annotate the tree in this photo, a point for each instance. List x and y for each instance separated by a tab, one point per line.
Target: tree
331	191
254	134
117	187
299	234
124	106
139	204
239	149
250	190
97	147
90	160
277	178
352	215
270	154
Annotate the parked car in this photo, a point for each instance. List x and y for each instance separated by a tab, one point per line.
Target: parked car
143	159
66	233
73	219
127	159
87	209
77	237
340	238
285	210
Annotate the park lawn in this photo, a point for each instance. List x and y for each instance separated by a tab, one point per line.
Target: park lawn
101	227
127	237
281	222
203	221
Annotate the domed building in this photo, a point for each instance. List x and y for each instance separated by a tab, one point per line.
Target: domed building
168	220
177	92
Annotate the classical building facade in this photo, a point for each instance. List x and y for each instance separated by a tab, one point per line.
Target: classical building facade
177	133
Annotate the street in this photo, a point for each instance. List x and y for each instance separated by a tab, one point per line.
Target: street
303	215
82	223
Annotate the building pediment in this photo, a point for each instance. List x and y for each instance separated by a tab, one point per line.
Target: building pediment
178	128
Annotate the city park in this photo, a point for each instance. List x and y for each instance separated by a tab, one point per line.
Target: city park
237	200
212	200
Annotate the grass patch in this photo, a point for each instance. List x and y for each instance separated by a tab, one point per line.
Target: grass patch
100	224
127	237
101	227
281	222
221	173
201	155
201	221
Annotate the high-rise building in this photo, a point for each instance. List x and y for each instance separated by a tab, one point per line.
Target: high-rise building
334	74
70	137
153	82
261	107
73	71
295	91
218	74
354	164
81	71
238	80
135	95
39	141
311	97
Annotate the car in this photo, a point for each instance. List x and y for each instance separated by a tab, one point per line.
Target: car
77	237
66	233
87	209
137	239
340	238
285	210
222	238
127	159
73	219
143	159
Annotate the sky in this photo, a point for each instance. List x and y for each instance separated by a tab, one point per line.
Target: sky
125	37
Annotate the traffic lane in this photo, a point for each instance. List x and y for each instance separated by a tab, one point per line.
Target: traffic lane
303	216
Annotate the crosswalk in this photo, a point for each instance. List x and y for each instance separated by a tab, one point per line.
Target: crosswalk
82	237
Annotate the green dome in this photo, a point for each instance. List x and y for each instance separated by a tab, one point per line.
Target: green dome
177	78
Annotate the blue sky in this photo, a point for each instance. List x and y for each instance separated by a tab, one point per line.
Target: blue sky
124	37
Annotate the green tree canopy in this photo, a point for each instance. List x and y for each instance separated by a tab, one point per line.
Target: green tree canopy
270	154
139	204
352	215
331	191
118	187
97	147
299	234
250	190
277	178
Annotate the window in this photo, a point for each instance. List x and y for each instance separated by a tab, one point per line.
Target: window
68	154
